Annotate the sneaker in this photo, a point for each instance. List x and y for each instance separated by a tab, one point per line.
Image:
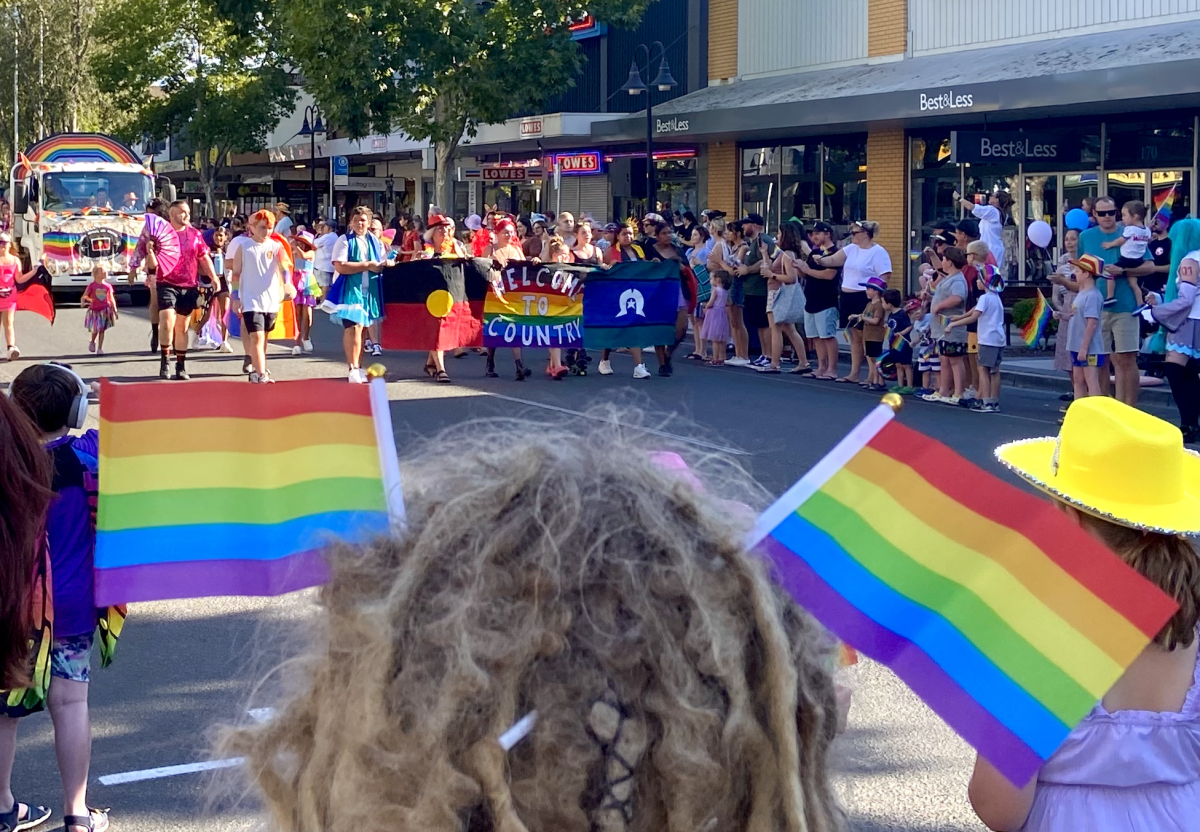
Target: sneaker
969	401
254	377
906	391
296	350
761	361
368	344
640	371
91	346
970	393
606	368
767	369
1110	301
921	392
306	345
13	353
376	350
356	376
99	351
225	347
181	373
737	362
934	396
950	400
266	378
664	369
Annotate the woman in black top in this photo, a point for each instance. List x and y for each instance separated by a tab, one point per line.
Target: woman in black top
662	247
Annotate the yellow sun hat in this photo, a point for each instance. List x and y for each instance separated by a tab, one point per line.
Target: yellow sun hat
1117	463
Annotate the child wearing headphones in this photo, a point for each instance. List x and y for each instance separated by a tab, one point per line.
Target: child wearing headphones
56	399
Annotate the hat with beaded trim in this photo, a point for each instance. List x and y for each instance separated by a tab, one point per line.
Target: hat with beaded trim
1117	463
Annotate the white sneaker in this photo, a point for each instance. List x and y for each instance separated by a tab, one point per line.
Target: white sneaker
307	345
296	350
225	347
606	368
255	378
357	377
970	393
13	353
738	362
266	378
640	371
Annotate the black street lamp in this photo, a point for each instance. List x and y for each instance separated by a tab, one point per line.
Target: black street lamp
635	86
312	126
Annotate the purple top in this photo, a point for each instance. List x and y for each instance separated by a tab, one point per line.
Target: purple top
72	538
1129	771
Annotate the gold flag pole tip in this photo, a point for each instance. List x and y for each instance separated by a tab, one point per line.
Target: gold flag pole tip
379	371
893	400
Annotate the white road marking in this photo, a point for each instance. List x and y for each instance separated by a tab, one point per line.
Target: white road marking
168	771
655	431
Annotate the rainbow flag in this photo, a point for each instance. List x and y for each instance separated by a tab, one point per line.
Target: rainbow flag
1164	200
1035	327
534	305
303	462
1009	620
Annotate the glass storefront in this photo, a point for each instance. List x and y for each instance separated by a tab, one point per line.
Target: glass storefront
811	181
1145	159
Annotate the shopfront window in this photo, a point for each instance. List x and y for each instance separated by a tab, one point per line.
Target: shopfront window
810	181
801	182
844	190
1140	144
935	179
677	184
760	183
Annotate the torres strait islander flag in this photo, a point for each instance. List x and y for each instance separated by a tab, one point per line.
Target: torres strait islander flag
434	304
631	305
293	466
1008	619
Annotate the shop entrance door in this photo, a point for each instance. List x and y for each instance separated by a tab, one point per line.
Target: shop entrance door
1049	197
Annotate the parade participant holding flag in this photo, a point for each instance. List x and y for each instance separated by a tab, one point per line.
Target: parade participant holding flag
441	243
355	299
259	273
503	251
10	280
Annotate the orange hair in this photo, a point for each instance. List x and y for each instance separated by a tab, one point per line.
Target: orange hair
264	216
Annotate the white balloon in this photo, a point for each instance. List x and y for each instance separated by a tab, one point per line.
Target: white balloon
1040	233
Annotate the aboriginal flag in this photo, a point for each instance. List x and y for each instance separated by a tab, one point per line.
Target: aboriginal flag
35	295
434	304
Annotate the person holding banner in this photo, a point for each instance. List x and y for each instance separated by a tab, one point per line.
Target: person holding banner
503	251
662	247
624	250
358	260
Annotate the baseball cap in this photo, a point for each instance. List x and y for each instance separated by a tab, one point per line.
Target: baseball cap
821	225
653	217
612	228
714	214
912	305
969	227
754	218
536	218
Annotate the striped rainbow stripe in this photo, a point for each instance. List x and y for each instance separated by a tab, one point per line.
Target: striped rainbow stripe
81	147
292	466
532	307
1006	618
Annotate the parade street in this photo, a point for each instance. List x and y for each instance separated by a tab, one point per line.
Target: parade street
185	668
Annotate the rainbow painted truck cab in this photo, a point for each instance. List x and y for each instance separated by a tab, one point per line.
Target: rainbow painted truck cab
78	200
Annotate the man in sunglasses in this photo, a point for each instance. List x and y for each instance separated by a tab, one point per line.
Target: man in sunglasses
1118	325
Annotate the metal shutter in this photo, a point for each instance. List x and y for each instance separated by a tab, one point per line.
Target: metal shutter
593	198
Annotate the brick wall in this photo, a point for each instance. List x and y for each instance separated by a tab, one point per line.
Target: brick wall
887	27
722	39
722	179
887	174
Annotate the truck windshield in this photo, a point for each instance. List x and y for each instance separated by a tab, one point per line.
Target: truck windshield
101	191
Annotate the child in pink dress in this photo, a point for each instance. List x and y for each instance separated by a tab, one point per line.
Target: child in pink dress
101	307
716	322
1133	764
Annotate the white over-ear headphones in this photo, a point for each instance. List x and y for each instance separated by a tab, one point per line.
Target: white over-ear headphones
77	415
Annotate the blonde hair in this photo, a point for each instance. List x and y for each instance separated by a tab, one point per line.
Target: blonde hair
979	248
562	571
717	226
556	246
1170	562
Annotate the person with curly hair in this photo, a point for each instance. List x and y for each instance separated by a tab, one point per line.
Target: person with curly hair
585	581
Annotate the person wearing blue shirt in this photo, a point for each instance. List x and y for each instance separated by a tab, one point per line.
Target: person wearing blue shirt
1118	325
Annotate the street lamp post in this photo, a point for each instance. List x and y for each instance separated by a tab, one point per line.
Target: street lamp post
635	86
312	126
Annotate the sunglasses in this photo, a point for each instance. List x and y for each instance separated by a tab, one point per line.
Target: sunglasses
858	231
1111	213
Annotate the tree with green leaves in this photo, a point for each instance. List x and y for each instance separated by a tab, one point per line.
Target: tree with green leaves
199	69
437	69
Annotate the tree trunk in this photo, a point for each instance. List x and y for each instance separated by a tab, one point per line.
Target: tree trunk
208	181
443	178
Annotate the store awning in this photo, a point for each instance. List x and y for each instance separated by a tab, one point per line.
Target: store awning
1145	68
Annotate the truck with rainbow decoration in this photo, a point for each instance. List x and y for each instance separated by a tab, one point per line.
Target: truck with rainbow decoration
79	199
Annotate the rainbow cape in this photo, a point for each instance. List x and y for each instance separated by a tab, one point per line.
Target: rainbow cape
1009	620
303	463
1035	327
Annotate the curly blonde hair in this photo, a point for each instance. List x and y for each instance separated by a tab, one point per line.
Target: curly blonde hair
562	571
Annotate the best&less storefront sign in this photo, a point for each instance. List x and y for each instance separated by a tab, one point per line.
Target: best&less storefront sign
1000	147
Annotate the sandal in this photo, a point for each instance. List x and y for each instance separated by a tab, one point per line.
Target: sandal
845	380
95	821
441	377
695	356
714	363
34	816
431	370
803	372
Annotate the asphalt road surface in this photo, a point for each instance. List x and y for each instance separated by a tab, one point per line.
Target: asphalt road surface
185	668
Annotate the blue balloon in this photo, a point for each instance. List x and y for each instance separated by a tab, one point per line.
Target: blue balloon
1078	219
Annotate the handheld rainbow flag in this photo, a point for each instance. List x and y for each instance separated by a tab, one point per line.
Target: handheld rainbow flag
1035	327
1010	621
305	462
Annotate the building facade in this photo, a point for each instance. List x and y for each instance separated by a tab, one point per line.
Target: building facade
881	109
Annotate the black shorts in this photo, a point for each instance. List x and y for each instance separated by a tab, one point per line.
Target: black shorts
756	312
850	303
874	349
183	300
952	349
222	285
258	321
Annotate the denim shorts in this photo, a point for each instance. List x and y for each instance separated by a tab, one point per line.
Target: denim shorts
71	658
737	292
821	324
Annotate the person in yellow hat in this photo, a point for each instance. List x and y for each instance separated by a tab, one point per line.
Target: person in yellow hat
1134	761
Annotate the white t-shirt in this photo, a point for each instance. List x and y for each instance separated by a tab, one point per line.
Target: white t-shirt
260	287
990	232
1137	237
234	245
323	257
862	263
991	320
341	250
